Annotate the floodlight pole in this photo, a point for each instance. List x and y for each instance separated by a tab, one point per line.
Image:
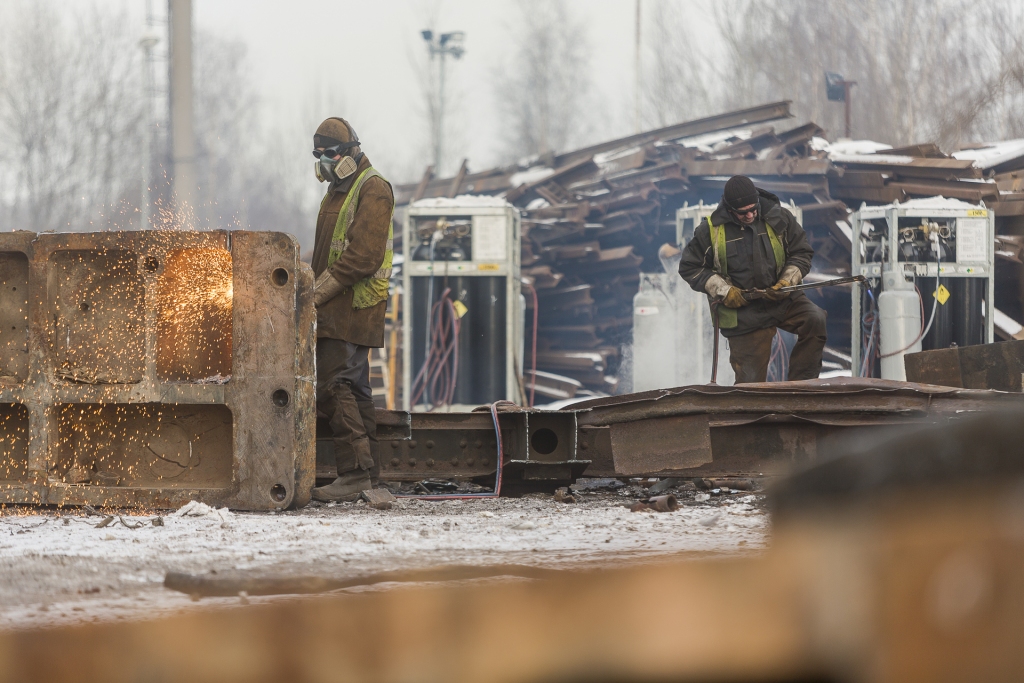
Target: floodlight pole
847	87
441	46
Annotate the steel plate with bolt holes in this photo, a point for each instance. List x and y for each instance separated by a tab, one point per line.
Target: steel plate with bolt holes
150	368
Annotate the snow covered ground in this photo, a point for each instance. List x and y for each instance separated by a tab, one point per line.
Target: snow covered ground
60	567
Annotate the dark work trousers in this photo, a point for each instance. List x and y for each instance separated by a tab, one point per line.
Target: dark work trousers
343	394
749	353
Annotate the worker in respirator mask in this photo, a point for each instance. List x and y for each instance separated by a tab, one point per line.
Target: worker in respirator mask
352	257
752	242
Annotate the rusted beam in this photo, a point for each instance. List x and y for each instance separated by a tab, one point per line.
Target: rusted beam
985	366
757	167
733	119
459	178
539	448
428	175
837	395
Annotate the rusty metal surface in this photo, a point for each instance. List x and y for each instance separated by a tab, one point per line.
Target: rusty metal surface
155	367
767	428
985	366
540	447
701	430
661	445
842	395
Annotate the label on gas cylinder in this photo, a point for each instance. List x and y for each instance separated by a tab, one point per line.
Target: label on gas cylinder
942	294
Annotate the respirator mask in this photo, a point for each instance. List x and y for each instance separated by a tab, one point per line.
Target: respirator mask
330	169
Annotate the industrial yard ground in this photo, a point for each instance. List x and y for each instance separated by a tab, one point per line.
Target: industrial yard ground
61	566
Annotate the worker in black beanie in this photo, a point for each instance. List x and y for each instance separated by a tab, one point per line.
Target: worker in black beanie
753	242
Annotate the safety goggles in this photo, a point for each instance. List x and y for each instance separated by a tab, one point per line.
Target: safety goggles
331	152
743	213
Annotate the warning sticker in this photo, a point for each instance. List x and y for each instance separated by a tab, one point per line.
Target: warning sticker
942	294
460	308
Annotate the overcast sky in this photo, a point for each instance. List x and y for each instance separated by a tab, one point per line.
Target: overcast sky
360	57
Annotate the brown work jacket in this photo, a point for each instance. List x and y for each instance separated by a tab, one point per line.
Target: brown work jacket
367	241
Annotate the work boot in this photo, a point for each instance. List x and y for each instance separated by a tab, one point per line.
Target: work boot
345	489
368	413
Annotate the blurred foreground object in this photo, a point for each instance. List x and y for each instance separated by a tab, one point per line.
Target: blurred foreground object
900	559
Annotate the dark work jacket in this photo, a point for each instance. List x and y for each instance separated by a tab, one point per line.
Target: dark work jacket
367	237
750	260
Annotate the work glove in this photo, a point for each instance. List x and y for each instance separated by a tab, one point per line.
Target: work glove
325	288
721	290
790	276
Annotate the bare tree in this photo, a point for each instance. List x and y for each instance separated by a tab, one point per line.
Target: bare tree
925	69
72	126
543	93
70	116
679	74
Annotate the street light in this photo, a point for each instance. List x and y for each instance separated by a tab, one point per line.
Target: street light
441	46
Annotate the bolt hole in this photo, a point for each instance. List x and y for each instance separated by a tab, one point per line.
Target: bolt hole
544	441
280	277
278	492
151	264
83	306
280	398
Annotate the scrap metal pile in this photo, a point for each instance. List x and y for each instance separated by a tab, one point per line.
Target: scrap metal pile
594	218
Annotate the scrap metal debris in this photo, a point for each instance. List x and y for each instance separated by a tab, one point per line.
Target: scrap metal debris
594	218
667	503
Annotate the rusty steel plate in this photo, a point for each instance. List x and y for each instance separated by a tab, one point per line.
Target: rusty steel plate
661	444
151	368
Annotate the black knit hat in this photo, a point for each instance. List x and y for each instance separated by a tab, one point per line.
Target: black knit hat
739	192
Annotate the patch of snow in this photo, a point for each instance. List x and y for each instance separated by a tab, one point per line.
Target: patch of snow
530	175
463	200
706	142
605	157
1007	324
938	202
820	144
992	154
927	203
850	146
870	158
60	568
196	509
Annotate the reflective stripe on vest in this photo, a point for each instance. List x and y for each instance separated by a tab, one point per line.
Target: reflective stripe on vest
727	316
371	290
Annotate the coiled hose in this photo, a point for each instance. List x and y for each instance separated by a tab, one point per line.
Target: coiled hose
440	370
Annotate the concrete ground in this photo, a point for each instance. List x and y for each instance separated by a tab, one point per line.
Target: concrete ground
59	567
